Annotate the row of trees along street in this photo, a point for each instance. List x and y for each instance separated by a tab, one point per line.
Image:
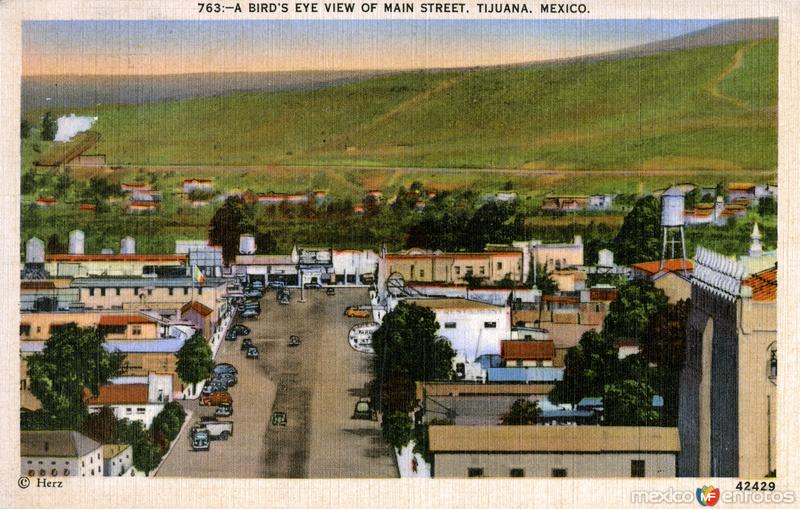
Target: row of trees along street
74	362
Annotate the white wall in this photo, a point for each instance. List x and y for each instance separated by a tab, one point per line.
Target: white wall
144	413
470	337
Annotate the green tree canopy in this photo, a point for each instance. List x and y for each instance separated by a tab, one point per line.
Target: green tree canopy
542	280
767	206
522	411
146	454
588	368
103	426
229	222
639	239
664	341
629	403
49	127
195	361
637	303
73	360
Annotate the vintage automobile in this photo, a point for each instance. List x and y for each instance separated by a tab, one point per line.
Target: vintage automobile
216	399
357	312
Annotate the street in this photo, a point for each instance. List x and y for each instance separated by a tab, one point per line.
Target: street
316	384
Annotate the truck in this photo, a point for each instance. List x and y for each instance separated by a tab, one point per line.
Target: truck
216	429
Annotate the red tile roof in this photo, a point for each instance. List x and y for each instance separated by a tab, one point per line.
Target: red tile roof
87	207
527	350
118	394
198	307
123	319
764	284
672	265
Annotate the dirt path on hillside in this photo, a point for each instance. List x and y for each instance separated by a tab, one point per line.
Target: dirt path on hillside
712	87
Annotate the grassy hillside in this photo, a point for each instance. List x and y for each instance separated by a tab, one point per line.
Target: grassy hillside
705	108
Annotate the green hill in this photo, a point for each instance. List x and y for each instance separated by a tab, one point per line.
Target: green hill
704	108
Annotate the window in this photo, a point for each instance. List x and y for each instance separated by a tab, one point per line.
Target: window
140	411
31	473
91	459
66	471
102	292
637	468
170	290
92	471
449	325
91	292
558	472
136	330
483	270
24	330
200	291
42	473
469	269
421	273
499	265
186	291
489	325
54	472
149	291
38	329
517	472
474	472
136	291
129	410
117	290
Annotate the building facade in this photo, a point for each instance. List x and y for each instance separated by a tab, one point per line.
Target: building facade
60	453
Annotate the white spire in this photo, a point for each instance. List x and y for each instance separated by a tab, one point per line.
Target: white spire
755	245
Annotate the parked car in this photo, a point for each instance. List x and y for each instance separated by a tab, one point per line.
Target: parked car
231	336
217	430
224	367
253	294
229	379
252	353
257	283
276	285
330	291
246	343
224	411
216	399
214	386
364	410
294	341
200	437
240	329
356	312
312	285
250	313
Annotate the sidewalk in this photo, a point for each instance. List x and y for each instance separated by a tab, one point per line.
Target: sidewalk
405	458
215	342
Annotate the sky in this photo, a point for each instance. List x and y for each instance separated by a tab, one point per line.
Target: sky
179	47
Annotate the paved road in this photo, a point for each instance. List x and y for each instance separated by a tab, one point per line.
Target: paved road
316	384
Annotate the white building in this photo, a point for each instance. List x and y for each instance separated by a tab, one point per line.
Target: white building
550	256
117	460
601	201
60	453
135	402
354	267
473	328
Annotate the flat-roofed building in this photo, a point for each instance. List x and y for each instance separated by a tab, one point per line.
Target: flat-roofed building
115	324
457	268
86	265
553	451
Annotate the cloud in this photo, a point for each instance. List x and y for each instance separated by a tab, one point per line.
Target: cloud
72	125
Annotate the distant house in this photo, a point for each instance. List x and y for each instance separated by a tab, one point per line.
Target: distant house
128	187
87	207
137	401
46	201
527	353
738	190
358	209
296	198
565	202
145	195
117	460
61	453
320	197
142	206
271	199
419	205
505	196
374	194
190	185
199	315
553	451
601	201
670	279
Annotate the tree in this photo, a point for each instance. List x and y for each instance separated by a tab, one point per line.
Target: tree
488	225
103	426
408	348
636	304
28	182
146	454
63	183
629	403
542	280
54	245
522	411
73	360
25	128
397	429
229	222
639	239
169	421
767	206
195	360
588	368
664	341
265	243
691	198
49	127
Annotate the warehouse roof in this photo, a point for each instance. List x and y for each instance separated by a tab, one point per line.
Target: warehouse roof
453	303
58	443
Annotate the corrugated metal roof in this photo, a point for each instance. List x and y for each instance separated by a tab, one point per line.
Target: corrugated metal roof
585	439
